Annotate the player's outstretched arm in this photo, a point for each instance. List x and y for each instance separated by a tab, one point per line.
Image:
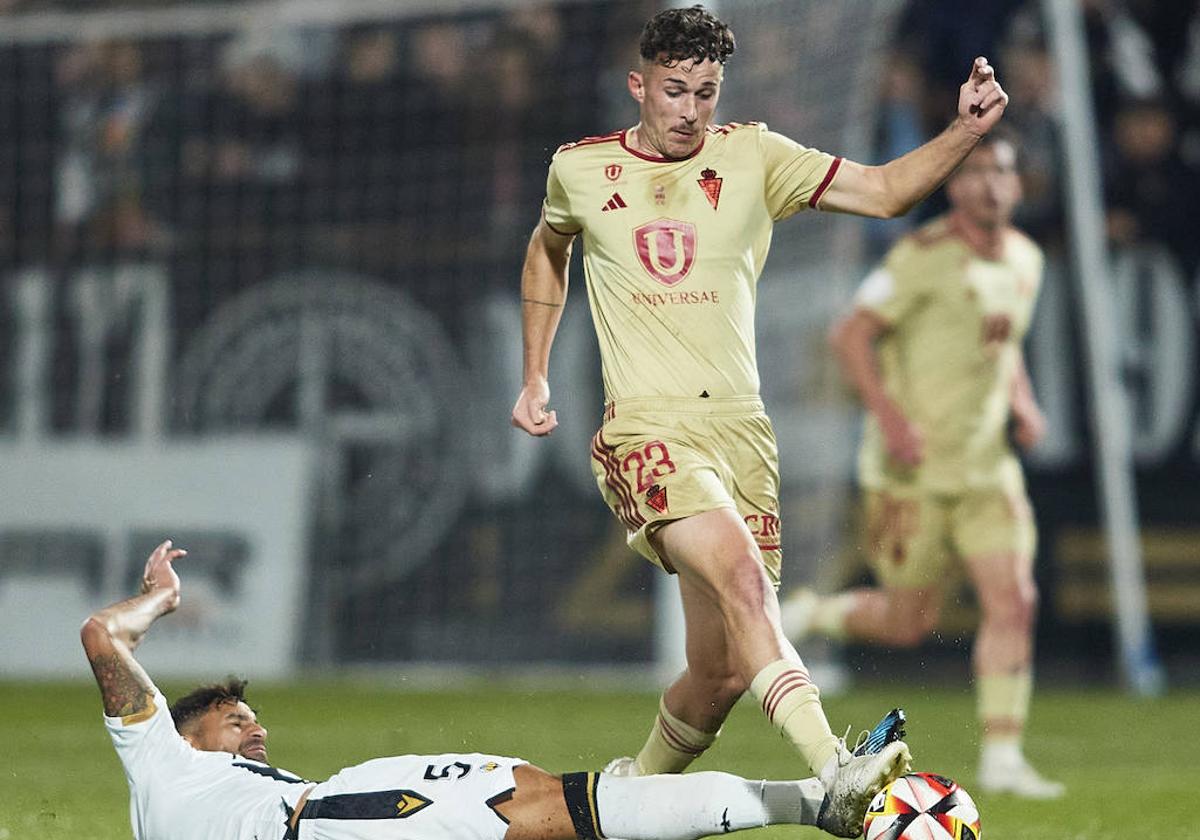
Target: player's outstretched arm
110	635
897	186
543	294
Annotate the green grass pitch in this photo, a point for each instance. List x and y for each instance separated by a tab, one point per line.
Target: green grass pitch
1131	765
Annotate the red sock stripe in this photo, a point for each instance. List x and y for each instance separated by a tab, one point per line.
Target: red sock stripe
784	684
616	482
677	741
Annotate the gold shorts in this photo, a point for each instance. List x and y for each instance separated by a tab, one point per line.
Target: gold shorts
914	535
658	460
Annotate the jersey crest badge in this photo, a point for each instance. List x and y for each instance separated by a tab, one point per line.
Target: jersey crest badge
656	497
613	171
711	184
410	802
666	249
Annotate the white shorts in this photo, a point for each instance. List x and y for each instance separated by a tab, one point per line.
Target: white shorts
412	797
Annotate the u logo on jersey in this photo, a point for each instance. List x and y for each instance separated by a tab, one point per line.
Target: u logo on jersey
666	248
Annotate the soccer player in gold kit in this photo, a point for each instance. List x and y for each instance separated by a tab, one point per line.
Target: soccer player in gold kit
676	216
933	349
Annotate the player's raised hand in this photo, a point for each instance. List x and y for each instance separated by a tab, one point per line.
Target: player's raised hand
1029	424
529	414
981	100
160	575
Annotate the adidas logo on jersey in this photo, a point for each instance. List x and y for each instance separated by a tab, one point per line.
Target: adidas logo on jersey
614	203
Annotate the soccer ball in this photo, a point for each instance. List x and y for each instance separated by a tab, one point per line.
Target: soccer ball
922	806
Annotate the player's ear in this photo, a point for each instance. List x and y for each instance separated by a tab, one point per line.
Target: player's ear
637	85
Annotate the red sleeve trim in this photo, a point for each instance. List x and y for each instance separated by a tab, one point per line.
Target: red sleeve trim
833	168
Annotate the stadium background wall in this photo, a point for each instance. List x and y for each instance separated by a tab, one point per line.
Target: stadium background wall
292	251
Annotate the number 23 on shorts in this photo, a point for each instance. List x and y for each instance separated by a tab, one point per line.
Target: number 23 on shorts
651	462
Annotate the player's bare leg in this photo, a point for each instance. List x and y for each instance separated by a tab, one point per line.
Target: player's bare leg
591	806
719	563
893	617
1003	666
695	705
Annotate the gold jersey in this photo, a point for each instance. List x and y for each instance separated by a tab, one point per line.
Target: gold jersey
672	251
956	319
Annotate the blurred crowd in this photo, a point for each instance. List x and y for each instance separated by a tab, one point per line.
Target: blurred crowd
415	150
1145	71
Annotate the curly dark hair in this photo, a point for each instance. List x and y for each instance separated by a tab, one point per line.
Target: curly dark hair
199	700
693	34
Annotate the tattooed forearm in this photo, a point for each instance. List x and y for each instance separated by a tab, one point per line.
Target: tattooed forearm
541	302
125	692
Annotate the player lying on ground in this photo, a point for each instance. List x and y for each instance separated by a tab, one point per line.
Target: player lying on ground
199	771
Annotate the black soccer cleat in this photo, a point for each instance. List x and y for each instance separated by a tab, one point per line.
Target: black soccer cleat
890	729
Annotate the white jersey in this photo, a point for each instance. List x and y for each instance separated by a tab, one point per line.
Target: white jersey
177	792
413	797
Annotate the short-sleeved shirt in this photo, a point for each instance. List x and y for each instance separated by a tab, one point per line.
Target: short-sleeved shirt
673	249
177	792
955	319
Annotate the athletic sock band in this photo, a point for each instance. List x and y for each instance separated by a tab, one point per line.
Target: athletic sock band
792	704
672	745
579	791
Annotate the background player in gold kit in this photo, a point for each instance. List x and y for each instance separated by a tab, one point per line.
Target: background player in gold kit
677	215
933	348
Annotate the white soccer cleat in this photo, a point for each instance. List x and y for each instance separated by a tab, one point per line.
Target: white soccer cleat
851	782
1018	778
623	766
797	614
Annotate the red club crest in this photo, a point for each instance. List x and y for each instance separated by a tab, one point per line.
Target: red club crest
666	249
613	171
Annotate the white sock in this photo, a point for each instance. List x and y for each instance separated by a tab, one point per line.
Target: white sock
692	805
1000	752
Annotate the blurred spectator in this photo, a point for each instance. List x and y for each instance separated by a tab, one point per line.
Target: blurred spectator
901	128
1123	57
105	104
358	130
242	155
1151	194
1187	77
1031	79
947	35
520	122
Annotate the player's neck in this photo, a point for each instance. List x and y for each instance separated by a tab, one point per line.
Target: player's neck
636	139
987	240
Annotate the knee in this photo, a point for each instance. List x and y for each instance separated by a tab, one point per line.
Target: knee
909	627
1017	607
746	593
909	634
